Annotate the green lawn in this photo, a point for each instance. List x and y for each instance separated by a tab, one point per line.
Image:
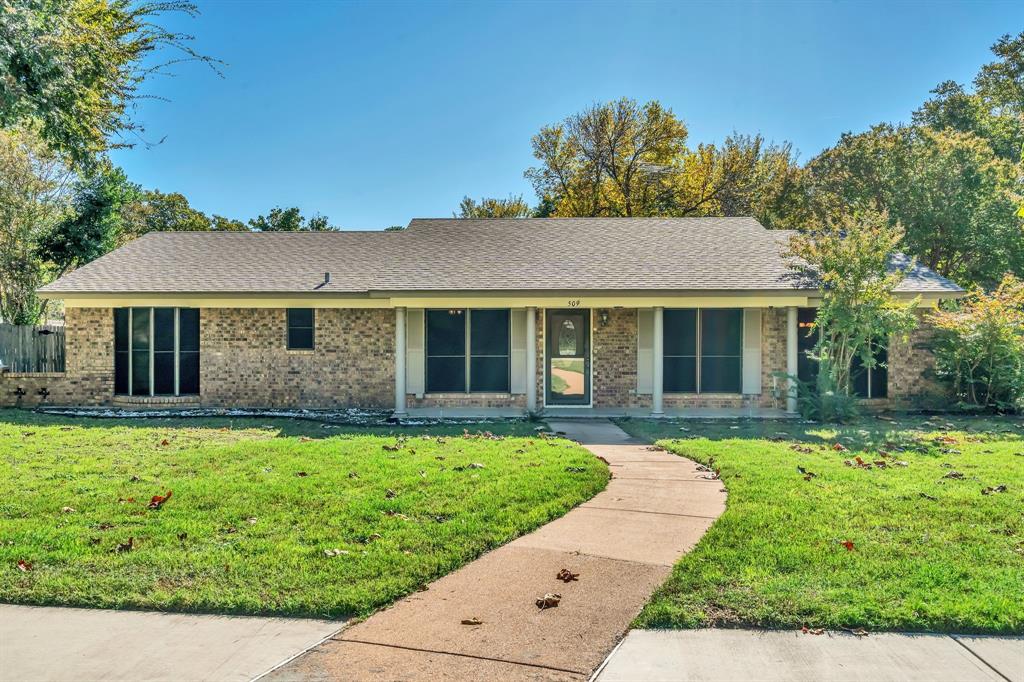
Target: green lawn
930	551
267	516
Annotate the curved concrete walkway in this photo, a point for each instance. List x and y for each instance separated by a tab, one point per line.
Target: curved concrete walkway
622	543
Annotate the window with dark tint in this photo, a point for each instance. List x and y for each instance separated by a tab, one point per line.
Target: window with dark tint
680	351
140	351
156	351
873	382
300	328
806	340
721	351
489	351
446	351
188	351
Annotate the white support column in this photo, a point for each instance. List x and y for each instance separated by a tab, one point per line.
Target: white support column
399	361
531	359
791	358
657	376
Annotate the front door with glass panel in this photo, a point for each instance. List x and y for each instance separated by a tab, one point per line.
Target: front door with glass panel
568	357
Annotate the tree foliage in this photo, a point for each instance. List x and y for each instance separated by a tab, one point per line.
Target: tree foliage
851	261
626	159
75	68
979	347
289	220
952	195
34	189
487	207
95	223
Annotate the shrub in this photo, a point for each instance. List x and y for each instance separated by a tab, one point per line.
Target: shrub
979	347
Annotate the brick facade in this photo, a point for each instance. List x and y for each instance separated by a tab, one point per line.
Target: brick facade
912	380
88	376
244	362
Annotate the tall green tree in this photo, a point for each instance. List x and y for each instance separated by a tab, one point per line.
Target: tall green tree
34	195
953	197
487	207
75	67
850	260
95	224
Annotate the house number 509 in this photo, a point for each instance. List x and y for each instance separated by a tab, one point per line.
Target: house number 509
575	303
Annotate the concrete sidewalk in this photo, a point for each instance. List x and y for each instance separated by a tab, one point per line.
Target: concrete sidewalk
41	643
775	656
623	543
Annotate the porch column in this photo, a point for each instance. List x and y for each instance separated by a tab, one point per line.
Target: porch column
657	375
399	361
791	358
531	359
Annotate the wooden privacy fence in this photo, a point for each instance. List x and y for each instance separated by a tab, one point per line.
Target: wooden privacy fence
25	348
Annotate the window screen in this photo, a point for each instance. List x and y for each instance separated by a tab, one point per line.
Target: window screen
188	351
489	350
140	351
301	322
446	351
122	346
680	351
468	350
721	350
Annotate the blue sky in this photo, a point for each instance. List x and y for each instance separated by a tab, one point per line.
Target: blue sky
375	113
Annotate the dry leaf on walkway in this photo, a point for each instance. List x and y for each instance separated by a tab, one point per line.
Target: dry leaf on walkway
812	631
857	632
549	601
472	621
567	576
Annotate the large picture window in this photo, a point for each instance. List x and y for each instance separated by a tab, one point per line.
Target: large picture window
703	351
468	351
156	351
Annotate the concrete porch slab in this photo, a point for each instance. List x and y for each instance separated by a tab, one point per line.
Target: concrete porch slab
620	534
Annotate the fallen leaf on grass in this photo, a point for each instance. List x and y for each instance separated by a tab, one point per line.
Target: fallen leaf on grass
954	474
165	442
472	621
997	489
567	576
182	537
305	439
548	601
576	470
335	552
24	566
125	546
94	541
848	544
301	474
67	510
390	494
158	501
812	631
928	497
125	500
839	447
808	475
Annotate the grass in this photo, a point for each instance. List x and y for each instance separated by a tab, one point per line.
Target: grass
930	551
267	516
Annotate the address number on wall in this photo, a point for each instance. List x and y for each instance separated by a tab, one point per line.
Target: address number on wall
574	303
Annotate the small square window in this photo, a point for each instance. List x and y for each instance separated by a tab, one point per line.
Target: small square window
301	325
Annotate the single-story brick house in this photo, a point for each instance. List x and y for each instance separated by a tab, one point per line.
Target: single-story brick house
637	315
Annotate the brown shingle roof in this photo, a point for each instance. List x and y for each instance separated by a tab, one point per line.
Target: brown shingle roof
621	254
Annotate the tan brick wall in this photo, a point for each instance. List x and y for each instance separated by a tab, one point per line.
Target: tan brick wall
244	361
88	377
912	380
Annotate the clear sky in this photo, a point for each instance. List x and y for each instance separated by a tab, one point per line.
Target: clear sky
375	113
